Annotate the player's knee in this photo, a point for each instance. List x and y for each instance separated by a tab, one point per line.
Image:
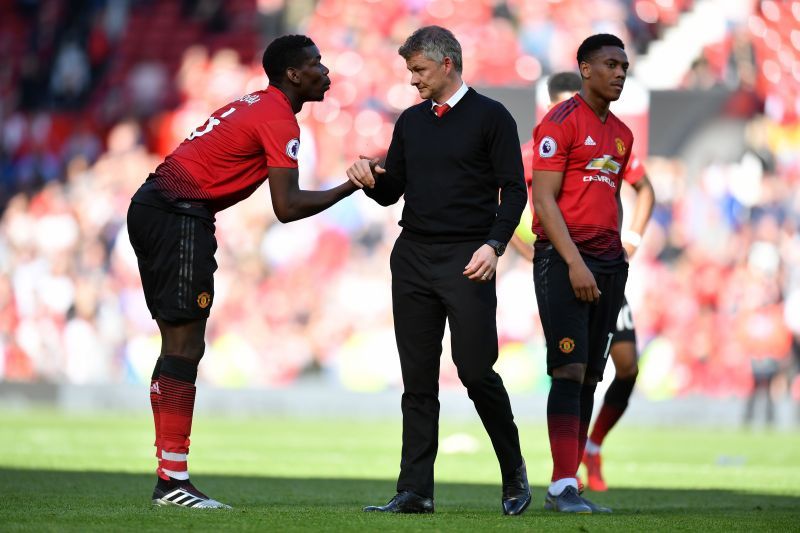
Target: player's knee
192	349
186	340
628	372
625	361
195	351
572	372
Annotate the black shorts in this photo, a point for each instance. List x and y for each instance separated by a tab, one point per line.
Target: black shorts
626	331
176	262
575	331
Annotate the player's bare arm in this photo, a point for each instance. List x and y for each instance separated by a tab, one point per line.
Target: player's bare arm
290	202
546	185
642	210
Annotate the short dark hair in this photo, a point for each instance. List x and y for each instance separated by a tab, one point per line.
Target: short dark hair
592	44
562	82
435	43
282	53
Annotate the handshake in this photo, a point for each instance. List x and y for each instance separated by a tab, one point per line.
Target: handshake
363	172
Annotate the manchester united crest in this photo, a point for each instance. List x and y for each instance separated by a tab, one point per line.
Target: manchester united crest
620	146
566	345
203	300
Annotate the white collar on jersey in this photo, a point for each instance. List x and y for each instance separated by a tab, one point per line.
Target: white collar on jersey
453	100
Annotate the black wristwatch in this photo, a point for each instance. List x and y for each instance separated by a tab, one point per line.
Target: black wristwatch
499	247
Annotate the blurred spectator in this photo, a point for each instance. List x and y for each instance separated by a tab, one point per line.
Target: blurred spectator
70	76
147	84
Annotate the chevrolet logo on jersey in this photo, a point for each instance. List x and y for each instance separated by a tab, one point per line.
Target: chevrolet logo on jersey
604	164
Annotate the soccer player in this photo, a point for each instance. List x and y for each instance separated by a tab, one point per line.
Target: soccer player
171	228
580	268
560	87
449	157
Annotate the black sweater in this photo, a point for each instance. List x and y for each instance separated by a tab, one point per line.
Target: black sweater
451	170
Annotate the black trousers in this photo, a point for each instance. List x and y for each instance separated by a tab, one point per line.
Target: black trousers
428	287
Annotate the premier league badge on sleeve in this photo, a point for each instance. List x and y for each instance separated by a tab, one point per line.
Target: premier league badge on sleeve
547	147
292	148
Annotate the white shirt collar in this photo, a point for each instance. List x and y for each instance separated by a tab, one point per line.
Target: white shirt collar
453	100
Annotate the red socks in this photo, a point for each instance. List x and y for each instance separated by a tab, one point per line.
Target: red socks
172	397
606	419
563	421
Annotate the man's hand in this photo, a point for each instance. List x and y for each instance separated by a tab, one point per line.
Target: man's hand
483	265
631	240
583	282
522	248
362	173
629	250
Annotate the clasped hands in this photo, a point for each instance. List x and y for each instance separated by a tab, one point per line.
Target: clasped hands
362	173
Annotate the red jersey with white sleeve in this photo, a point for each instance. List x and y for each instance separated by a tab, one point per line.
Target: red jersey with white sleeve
593	156
634	172
225	160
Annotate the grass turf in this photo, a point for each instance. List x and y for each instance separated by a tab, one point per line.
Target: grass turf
67	472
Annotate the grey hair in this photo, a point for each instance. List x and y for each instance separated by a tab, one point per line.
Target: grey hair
435	43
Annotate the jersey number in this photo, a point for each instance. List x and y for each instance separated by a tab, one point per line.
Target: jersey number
210	123
608	345
625	318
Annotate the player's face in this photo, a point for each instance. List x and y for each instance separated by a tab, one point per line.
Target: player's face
428	76
314	80
605	72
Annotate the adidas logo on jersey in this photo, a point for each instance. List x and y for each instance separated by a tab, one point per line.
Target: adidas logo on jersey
589	141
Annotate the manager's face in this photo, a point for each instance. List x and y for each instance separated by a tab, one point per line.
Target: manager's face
429	76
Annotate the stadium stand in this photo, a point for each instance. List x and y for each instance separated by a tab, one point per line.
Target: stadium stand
92	99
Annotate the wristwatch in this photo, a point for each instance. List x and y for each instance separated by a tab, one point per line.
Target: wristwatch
499	247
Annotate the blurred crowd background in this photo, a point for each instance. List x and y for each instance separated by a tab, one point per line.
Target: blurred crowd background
93	94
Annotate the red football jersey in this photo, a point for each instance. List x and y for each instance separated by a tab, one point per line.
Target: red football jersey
223	161
633	173
593	157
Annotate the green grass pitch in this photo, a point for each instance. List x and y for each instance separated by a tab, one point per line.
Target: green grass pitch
94	472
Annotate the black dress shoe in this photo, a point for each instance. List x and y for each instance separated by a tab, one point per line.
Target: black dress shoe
516	492
405	502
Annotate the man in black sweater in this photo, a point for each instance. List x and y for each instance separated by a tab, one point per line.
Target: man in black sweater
450	156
